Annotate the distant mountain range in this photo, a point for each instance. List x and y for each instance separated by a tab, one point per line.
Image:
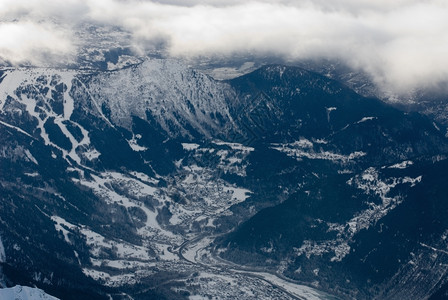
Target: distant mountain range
155	181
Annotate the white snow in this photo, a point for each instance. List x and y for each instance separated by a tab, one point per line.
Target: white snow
402	165
24	293
224	73
365	119
95	103
304	149
175	218
434	249
30	156
137	188
412	181
34	174
131	189
69	103
124	250
193	252
133	143
10	81
2	252
238	194
62	225
190	146
231	160
121	264
166	254
92	154
30	108
163	87
320	141
110	280
16	128
235	146
329	110
303	143
435	126
19	80
226	278
144	177
97	242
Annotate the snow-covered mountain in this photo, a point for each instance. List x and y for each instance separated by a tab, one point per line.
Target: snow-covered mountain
24	293
182	101
156	181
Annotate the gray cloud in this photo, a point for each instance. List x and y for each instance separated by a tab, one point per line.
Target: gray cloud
402	44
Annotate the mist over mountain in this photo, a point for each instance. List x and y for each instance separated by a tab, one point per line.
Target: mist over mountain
400	45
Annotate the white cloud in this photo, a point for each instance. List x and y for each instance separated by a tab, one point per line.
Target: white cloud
401	43
31	43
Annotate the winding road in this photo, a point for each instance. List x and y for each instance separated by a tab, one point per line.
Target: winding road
291	288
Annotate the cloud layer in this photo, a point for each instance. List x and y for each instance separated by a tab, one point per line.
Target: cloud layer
402	44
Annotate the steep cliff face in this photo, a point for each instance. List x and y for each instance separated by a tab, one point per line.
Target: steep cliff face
183	101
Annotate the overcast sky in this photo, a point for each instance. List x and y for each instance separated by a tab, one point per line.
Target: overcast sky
402	43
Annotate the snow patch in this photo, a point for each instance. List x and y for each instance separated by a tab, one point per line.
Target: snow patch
165	253
329	110
16	128
190	146
2	252
121	264
30	156
34	174
133	143
435	126
110	280
63	226
69	103
24	293
235	146
304	148
402	165
238	194
144	177
365	119
412	181
92	154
